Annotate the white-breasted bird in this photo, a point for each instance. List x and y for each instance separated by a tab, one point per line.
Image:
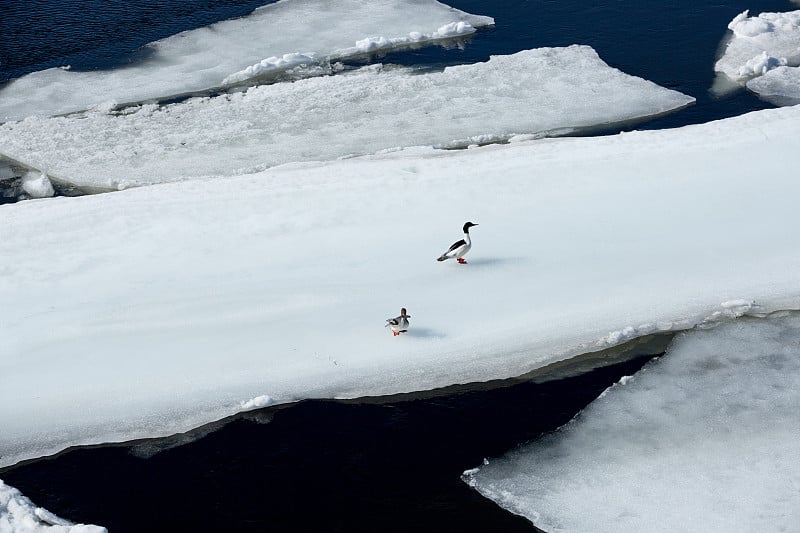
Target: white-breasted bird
460	248
398	324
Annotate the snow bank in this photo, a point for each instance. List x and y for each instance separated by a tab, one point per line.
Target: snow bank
326	118
19	515
759	45
153	310
206	58
704	439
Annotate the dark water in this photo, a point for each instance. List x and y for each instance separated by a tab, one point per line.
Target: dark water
97	34
317	465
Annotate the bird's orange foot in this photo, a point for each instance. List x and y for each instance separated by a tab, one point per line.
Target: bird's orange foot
395	333
462	260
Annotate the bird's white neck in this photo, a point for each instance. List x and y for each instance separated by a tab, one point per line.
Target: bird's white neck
466	238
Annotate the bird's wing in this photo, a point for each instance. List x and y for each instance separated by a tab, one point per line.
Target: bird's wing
458	244
393	321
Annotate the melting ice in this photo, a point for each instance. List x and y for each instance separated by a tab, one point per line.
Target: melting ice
705	439
764	53
330	117
272	39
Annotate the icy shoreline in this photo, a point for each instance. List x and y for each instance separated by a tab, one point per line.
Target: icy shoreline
597	356
616	347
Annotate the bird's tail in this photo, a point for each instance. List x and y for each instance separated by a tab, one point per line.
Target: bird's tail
443	258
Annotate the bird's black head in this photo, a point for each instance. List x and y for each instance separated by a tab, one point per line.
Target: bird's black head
467	226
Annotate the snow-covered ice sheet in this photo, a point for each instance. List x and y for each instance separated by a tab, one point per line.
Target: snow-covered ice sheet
705	439
274	38
19	515
760	44
326	118
153	310
780	86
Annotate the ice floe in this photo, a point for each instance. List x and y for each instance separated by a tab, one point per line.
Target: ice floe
154	310
373	109
704	439
19	515
780	85
759	45
296	31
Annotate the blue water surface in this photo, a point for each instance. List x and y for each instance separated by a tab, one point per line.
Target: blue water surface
97	34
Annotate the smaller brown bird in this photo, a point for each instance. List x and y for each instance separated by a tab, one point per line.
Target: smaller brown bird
398	324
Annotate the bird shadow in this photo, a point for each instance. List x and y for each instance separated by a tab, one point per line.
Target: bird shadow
493	261
423	333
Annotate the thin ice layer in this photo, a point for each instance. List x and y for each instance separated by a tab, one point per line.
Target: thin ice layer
326	118
760	44
155	309
781	85
19	515
706	439
273	38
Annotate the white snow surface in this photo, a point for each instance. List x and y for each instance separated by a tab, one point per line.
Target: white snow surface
153	310
705	439
19	515
758	45
373	109
216	55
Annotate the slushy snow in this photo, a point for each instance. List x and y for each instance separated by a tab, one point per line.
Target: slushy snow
530	92
154	310
276	37
706	439
19	515
760	45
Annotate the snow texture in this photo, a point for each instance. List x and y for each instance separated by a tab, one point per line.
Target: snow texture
153	310
220	54
19	515
705	439
257	402
758	46
530	92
